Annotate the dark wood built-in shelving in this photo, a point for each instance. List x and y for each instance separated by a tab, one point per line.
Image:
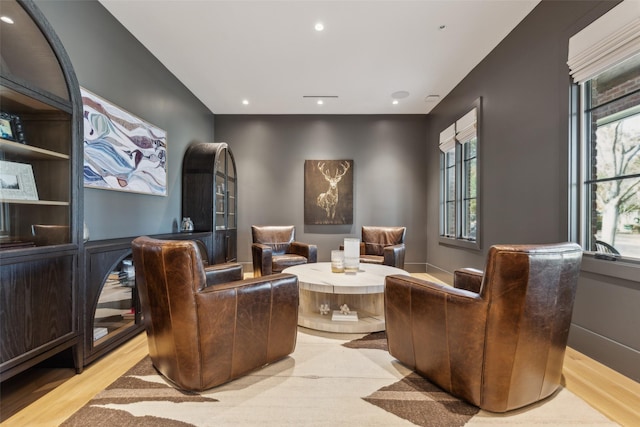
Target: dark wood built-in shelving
39	294
210	196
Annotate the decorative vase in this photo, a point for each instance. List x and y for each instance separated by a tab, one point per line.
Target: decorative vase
351	255
186	225
337	261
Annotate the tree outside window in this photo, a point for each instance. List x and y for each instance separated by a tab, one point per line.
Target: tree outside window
613	154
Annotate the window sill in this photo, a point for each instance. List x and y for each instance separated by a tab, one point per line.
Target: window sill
459	243
621	269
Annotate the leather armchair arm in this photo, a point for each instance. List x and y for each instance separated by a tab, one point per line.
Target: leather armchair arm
223	273
262	259
310	252
253	281
432	327
468	278
394	255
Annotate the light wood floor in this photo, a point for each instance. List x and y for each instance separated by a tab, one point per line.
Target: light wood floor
46	397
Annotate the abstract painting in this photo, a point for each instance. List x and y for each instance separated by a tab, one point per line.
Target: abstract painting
121	151
328	191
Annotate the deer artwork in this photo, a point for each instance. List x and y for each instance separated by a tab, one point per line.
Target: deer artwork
329	199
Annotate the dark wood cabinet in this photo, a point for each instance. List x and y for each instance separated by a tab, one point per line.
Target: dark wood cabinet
112	310
41	192
210	196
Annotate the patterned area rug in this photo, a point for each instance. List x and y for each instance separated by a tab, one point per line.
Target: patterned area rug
329	380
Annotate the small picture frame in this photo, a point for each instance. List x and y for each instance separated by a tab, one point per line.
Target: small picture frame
11	128
17	181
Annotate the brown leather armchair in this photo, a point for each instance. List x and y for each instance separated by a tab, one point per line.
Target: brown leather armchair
274	248
496	340
383	245
205	331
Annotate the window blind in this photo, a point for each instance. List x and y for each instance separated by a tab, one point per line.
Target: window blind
466	127
609	40
448	139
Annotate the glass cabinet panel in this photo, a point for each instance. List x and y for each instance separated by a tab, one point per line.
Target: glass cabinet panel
36	132
220	192
232	221
26	53
117	304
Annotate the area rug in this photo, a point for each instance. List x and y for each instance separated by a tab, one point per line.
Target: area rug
330	379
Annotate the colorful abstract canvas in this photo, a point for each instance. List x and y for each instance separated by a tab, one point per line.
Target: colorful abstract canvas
121	151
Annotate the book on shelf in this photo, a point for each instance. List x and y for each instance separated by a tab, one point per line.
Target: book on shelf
99	333
129	315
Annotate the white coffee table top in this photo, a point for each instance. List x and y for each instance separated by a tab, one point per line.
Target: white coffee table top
317	277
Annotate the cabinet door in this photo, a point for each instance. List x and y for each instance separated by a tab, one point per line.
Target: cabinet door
36	304
231	199
220	190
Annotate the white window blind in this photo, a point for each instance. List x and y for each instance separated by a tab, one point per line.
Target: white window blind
466	127
611	39
448	139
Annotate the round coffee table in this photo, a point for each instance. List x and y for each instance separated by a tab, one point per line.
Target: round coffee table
363	292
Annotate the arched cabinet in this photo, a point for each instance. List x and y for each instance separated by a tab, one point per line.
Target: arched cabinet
210	196
40	192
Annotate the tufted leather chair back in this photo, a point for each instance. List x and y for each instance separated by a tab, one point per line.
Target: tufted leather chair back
278	237
375	239
497	338
529	292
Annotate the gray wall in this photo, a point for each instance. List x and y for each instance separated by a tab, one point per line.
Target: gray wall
111	63
524	157
389	174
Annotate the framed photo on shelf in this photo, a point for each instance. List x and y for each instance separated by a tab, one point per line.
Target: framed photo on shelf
11	127
17	181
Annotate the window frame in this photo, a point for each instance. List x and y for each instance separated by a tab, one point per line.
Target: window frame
581	179
458	240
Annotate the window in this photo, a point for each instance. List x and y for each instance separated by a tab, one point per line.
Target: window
604	59
611	147
459	181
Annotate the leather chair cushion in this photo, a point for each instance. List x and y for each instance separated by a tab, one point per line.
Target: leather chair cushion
372	259
280	262
376	238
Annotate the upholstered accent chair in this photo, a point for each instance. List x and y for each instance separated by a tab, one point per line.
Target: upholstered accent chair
383	245
205	328
274	248
496	338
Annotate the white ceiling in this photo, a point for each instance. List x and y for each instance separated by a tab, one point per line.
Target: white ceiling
269	53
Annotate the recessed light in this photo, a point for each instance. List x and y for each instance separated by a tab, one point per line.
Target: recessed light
400	94
395	102
319	26
6	19
245	102
320	102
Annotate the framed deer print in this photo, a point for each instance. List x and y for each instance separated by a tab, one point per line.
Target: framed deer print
328	191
